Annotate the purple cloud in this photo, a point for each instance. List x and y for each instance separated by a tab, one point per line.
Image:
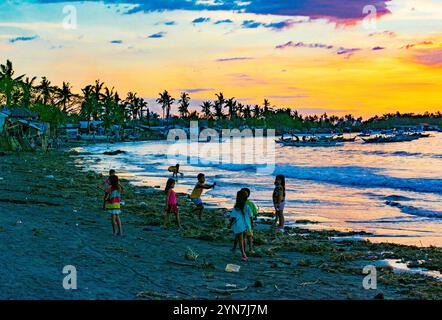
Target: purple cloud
333	10
377	48
292	44
233	59
429	57
195	90
339	50
386	33
344	51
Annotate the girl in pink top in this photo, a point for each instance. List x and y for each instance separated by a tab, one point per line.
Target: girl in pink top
171	205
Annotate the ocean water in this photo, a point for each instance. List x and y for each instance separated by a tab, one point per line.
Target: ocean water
391	190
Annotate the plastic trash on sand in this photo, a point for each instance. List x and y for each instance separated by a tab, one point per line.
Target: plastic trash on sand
232	268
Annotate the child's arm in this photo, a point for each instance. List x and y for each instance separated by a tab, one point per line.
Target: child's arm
208	186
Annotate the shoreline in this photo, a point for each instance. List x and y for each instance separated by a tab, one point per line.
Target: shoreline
48	193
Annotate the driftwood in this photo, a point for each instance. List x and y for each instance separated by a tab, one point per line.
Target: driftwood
232	290
309	283
153	294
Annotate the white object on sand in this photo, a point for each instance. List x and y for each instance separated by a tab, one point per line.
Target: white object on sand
232	268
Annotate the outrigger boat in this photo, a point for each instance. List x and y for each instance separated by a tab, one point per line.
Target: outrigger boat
309	141
401	137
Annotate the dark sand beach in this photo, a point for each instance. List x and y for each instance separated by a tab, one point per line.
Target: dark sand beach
51	216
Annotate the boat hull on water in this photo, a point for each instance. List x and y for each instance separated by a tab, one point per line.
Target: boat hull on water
292	143
397	138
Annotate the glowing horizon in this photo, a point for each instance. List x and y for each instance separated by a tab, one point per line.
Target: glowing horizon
314	56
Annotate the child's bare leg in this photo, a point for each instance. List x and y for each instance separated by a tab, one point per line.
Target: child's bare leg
166	218
120	227
276	219
281	219
241	245
250	238
178	220
114	224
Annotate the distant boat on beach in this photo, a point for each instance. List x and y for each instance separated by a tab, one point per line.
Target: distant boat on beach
311	141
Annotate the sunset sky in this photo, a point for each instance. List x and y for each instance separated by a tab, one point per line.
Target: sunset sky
316	56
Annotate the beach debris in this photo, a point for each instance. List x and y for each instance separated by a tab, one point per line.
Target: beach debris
50	177
303	284
154	294
37	231
207	265
142	204
191	255
113	153
228	289
232	268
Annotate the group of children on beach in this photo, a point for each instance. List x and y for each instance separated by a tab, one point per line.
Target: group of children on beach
242	217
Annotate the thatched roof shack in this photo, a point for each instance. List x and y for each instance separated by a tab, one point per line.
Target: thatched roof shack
20	130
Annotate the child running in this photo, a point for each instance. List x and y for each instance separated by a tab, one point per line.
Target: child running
249	232
113	206
195	196
175	170
171	204
240	221
279	200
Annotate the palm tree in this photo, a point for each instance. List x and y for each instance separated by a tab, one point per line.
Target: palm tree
132	103
166	101
27	87
247	112
45	91
64	97
8	84
219	105
143	107
206	107
257	112
184	104
231	107
266	107
87	105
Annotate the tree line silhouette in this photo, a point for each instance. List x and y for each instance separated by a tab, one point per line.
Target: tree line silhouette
97	101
